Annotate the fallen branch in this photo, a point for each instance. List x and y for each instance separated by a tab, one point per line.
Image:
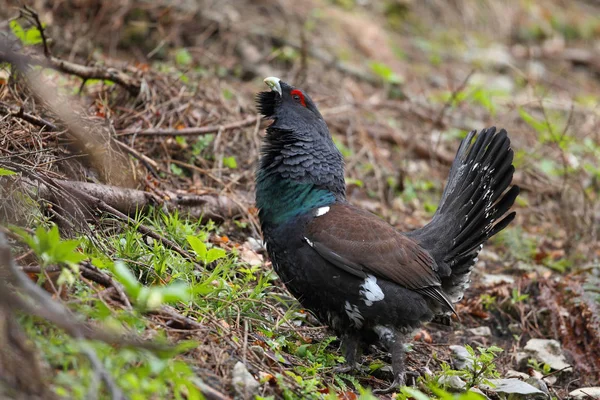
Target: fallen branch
131	84
203	130
32	119
130	201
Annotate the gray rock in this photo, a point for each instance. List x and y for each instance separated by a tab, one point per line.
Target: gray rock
516	389
244	384
461	358
586	393
453	383
547	351
480	331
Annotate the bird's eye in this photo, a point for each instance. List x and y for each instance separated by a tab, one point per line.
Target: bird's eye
298	96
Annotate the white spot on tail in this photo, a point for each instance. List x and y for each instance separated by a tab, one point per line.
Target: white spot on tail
354	315
321	211
309	242
371	290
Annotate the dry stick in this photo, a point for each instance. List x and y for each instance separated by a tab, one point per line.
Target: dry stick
89	271
149	163
131	84
30	13
32	119
203	130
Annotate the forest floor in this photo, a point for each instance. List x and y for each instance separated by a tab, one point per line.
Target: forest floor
157	99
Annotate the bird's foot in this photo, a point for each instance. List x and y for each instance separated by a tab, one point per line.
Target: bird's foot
344	369
398	382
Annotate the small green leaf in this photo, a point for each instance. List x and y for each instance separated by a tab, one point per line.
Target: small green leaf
183	57
230	162
177	170
215	254
414	393
6	172
385	73
539	126
17	30
198	246
32	36
174	293
127	279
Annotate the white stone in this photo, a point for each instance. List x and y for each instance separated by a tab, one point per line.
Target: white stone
494	279
243	382
586	392
481	331
547	351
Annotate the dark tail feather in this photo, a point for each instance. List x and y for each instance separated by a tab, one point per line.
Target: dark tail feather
473	207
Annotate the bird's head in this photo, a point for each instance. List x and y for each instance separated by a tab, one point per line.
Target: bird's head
290	108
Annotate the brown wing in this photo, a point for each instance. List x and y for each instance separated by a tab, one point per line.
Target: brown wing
361	243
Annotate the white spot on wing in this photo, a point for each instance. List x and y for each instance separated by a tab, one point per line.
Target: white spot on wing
354	314
371	291
321	211
309	242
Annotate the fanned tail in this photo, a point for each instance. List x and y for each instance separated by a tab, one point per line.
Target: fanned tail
473	207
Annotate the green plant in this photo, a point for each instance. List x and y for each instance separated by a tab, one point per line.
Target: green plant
51	250
487	301
517	296
539	366
480	368
28	37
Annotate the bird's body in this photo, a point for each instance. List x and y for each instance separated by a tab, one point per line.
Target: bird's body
366	280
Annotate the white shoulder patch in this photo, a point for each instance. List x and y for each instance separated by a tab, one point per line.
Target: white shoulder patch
321	211
308	241
371	291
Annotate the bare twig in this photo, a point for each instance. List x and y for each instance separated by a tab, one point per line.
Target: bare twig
203	130
131	84
29	13
32	119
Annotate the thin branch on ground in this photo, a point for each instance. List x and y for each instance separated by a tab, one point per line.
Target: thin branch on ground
203	130
32	119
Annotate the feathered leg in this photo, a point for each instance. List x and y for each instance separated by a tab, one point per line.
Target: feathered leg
351	346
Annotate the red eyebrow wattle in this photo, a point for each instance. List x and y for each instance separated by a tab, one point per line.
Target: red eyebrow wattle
299	93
